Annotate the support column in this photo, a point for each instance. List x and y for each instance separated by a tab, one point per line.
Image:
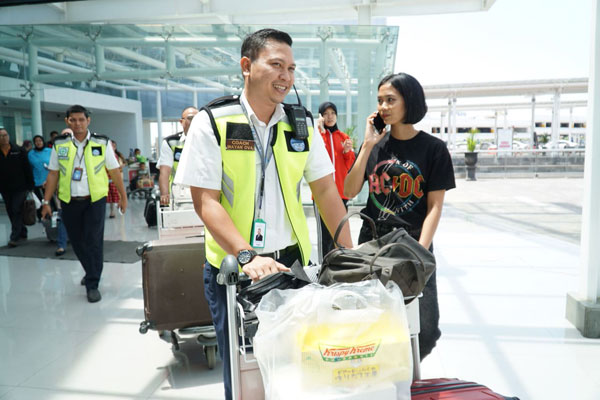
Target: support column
496	128
195	100
365	93
583	307
349	110
570	124
442	115
556	119
449	123
36	103
364	14
159	118
532	133
323	73
452	137
99	52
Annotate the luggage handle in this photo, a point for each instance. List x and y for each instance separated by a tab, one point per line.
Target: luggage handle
386	272
346	218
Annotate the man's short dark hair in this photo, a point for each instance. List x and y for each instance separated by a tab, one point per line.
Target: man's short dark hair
255	42
77	109
53	133
412	92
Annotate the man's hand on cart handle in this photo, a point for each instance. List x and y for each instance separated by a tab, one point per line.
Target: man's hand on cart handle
164	199
260	267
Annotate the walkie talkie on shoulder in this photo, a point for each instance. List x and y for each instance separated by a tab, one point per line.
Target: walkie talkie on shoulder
296	114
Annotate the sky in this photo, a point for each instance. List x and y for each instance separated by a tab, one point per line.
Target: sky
514	40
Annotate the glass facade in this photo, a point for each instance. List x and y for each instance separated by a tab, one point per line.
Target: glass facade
337	63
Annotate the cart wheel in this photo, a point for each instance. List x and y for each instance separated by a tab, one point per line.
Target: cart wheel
211	356
144	327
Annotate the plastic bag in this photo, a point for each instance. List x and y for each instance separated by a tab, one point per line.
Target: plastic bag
345	341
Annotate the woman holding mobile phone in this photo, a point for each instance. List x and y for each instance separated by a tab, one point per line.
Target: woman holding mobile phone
408	172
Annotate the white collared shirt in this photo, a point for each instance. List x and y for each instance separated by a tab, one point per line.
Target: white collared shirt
201	166
81	187
166	153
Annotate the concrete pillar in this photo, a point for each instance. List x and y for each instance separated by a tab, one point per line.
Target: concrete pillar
99	53
364	14
496	127
349	110
583	307
556	118
449	123
452	132
159	117
36	103
570	132
195	100
365	89
442	115
532	133
324	73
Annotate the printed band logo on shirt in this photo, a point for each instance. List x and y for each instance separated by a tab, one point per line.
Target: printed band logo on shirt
96	151
297	144
63	153
395	186
239	144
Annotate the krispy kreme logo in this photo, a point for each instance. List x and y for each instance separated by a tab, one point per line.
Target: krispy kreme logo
342	353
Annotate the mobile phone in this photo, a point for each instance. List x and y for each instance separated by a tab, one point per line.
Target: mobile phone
378	123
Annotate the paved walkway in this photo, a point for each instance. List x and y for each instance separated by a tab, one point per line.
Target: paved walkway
507	253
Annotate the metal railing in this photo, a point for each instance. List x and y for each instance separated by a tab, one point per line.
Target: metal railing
524	163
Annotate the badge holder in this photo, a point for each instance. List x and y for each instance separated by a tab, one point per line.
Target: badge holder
259	231
77	173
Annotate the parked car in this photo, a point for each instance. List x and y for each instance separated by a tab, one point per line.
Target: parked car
562	144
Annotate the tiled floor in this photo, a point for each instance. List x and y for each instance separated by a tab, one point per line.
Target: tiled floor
507	254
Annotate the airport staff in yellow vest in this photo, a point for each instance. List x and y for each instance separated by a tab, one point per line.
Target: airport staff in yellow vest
170	153
244	163
78	166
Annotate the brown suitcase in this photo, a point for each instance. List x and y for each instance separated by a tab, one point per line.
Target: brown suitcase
172	280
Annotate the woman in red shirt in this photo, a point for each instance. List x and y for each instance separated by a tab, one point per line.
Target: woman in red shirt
339	148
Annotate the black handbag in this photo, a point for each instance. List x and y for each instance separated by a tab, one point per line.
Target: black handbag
395	256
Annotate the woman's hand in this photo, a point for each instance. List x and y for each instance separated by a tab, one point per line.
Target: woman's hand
347	144
321	124
372	136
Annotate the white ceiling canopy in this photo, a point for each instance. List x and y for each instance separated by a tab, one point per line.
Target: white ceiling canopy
230	11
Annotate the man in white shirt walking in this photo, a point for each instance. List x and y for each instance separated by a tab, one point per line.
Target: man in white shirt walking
78	166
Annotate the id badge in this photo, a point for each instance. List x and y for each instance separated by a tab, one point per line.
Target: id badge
77	173
259	229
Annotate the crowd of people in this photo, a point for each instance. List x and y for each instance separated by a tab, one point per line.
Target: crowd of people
243	159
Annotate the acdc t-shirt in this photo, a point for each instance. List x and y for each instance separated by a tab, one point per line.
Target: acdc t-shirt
399	174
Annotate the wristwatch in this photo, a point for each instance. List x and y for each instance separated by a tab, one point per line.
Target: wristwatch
45	202
245	256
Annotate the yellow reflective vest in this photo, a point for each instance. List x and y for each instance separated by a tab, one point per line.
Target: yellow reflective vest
238	182
176	145
94	156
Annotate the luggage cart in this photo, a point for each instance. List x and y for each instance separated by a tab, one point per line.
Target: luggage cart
246	380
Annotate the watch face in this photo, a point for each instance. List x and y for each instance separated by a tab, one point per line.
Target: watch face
245	256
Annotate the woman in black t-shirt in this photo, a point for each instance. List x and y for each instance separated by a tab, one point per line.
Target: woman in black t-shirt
408	172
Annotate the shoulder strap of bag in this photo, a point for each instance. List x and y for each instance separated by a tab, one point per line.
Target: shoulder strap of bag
346	218
386	271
